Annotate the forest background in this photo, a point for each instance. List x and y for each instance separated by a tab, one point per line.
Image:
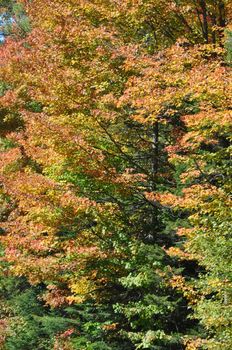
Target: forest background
115	171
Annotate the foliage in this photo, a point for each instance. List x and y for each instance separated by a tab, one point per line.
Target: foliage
115	141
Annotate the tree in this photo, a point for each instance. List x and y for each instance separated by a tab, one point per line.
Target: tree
200	155
90	168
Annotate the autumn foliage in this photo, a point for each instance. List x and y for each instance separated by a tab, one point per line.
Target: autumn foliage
115	175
